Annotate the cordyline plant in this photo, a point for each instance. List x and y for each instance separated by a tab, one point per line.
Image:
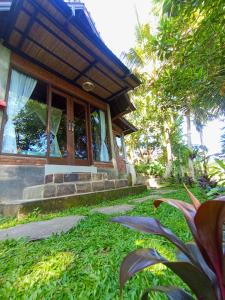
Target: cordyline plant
201	264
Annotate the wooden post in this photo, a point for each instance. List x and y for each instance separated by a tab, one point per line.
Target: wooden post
113	153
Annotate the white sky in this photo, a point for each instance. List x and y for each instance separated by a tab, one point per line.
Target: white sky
212	135
116	21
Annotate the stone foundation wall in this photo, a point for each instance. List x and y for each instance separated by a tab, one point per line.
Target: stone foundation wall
112	173
13	180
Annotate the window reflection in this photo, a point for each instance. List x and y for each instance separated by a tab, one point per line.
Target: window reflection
80	134
58	131
100	139
119	145
25	128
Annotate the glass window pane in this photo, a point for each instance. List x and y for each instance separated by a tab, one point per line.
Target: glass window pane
58	132
80	134
119	145
26	123
100	138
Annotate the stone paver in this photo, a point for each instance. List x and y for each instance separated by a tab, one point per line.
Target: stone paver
114	209
161	192
144	199
40	230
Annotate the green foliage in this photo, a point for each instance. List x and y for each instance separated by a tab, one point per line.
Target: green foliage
223	141
215	192
199	264
182	70
84	263
190	45
154	168
217	171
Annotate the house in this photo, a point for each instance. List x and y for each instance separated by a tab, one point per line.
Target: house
63	97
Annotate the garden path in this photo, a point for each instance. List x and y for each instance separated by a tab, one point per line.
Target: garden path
43	229
40	230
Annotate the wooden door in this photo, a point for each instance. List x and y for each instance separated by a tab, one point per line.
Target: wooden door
80	133
60	128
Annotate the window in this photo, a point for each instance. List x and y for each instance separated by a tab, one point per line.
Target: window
100	138
26	121
80	132
58	128
119	146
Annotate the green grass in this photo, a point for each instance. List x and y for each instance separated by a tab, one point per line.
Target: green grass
84	263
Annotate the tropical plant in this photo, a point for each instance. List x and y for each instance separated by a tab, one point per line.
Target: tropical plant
206	182
199	264
223	140
217	171
216	174
215	192
154	168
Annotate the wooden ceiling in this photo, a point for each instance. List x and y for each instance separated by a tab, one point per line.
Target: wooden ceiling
49	34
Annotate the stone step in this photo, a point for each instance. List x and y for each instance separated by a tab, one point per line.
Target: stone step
73	177
70	188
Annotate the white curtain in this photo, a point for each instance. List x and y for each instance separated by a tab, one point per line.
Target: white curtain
40	109
56	115
104	154
21	88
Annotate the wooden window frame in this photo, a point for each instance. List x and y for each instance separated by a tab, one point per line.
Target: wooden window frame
60	86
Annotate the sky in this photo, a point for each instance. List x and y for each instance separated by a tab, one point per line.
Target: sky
116	21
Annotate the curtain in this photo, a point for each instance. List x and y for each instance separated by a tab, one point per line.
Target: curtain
40	109
56	115
21	88
104	154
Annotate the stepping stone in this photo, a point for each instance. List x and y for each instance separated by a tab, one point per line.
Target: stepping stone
40	230
161	192
109	210
144	199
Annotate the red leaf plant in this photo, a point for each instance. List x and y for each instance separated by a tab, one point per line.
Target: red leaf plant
201	264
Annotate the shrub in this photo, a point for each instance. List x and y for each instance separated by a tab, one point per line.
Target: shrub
154	168
199	265
206	182
217	171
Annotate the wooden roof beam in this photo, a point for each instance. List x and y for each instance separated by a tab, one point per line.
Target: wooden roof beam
88	50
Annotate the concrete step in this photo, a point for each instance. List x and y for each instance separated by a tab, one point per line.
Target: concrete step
73	177
70	188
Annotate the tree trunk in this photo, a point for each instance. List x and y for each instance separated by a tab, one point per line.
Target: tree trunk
189	143
169	155
201	136
205	164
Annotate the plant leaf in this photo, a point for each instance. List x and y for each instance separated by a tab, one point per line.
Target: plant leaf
172	293
193	199
189	213
153	226
187	209
200	262
209	223
138	260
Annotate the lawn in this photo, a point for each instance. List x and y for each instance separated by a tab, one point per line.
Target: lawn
84	263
